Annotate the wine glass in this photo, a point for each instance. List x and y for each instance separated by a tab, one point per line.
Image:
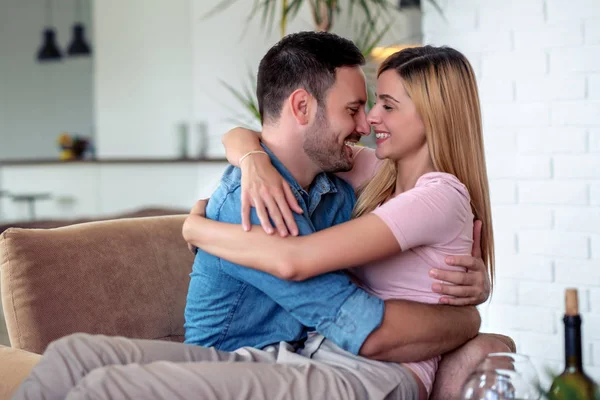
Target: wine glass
503	376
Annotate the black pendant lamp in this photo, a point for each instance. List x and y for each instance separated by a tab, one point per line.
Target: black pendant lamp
49	50
79	46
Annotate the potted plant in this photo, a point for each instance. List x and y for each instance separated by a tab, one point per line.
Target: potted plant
376	17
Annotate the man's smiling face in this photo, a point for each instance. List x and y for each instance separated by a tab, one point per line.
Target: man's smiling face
341	122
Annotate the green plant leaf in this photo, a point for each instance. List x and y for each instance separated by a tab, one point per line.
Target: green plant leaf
246	98
290	8
369	37
221	6
437	8
293	8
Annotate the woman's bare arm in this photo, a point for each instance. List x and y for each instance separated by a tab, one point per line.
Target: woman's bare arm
358	242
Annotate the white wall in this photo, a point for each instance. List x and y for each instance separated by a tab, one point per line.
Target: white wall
160	63
39	101
538	69
143	74
241	48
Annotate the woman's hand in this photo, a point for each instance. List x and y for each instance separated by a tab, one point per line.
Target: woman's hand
469	288
266	190
198	209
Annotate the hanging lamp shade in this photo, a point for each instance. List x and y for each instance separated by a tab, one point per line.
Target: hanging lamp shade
49	50
79	46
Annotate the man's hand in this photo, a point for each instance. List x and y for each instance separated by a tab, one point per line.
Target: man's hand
198	209
467	288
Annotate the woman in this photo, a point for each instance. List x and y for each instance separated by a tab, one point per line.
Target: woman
414	208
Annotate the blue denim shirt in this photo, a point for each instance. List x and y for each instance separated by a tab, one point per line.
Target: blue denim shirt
230	306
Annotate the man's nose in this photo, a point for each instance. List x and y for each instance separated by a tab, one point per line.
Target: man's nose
363	126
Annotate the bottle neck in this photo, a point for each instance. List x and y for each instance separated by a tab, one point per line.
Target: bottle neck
573	358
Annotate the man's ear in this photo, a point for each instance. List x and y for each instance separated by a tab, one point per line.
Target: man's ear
300	102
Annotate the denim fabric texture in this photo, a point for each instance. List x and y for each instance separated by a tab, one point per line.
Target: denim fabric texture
230	306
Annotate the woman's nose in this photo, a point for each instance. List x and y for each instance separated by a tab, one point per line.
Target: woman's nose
372	117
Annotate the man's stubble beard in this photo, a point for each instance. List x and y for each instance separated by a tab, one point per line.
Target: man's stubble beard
321	146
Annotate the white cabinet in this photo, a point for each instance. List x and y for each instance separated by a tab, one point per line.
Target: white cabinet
147	185
96	189
74	191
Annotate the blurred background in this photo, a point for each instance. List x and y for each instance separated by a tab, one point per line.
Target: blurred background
115	108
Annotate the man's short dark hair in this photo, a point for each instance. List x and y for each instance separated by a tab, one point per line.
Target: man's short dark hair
305	60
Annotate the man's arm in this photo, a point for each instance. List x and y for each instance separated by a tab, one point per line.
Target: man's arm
399	331
329	303
414	331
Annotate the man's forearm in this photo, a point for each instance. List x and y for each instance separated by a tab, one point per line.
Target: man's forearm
414	331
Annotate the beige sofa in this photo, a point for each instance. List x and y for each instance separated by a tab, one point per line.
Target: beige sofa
124	277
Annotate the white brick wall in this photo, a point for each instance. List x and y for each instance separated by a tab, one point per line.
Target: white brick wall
525	167
595	140
524	267
576	10
596	247
575	59
553	243
521	217
591	31
576	113
504	140
553	140
594	87
550	88
578	220
580	166
553	192
505	192
569	33
596	352
595	194
574	272
540	96
503	64
512	114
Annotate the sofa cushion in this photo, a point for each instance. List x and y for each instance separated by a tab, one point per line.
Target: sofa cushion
124	277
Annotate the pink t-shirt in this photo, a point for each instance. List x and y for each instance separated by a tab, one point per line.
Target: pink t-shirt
430	221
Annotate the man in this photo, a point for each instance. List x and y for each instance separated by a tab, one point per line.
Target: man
311	88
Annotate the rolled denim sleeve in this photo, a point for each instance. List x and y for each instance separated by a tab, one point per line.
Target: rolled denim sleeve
330	303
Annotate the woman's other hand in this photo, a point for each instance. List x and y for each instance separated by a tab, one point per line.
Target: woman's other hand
468	288
265	189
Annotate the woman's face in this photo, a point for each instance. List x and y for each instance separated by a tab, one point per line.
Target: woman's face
399	129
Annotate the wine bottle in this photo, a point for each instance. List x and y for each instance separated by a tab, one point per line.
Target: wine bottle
573	383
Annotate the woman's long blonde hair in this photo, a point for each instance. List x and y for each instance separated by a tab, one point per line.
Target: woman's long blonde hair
441	83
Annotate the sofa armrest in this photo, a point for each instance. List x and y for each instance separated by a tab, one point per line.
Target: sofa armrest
125	277
15	365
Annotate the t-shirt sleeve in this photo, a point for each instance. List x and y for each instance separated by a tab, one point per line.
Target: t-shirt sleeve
365	167
431	214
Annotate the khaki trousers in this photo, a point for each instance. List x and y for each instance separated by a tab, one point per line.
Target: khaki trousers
83	366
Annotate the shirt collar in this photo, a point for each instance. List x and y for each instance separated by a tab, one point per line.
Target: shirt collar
322	182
